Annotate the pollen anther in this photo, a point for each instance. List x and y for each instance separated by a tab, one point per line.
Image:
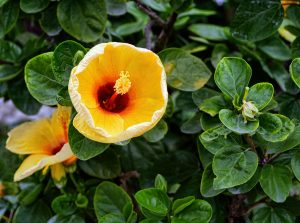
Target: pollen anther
123	84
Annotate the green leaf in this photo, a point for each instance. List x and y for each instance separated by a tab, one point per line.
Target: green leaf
220	50
206	187
141	19
33	6
157	133
8	72
248	186
9	14
233	167
111	199
232	76
161	183
83	147
276	181
295	163
66	219
257	20
38	212
116	7
39	76
293	14
149	220
296	48
192	125
204	93
21	98
260	94
154	200
9	51
63	97
272	215
63	60
209	31
64	205
30	194
292	141
2	2
105	166
214	143
295	71
235	122
178	63
84	20
199	211
275	128
275	48
213	105
49	23
182	203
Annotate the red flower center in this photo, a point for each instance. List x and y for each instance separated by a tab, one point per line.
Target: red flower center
110	101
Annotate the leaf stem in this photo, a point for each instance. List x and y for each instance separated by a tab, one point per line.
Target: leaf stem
75	183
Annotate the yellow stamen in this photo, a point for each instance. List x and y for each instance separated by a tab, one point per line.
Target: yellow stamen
123	84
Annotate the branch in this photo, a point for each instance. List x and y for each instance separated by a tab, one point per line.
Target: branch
148	34
165	33
254	205
150	13
251	143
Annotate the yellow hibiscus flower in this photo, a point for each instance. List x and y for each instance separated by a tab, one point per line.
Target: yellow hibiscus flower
119	92
46	143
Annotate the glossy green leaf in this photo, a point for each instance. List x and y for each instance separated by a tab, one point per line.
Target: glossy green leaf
2	2
105	166
275	48
116	7
220	50
213	105
209	31
21	98
192	125
49	23
141	19
273	147
66	219
235	122
63	97
214	144
9	51
256	20
9	14
161	183
260	94
180	204
64	205
157	133
30	194
295	71
276	181
178	63
33	6
293	14
111	199
232	75
82	147
295	48
248	186
39	76
295	163
38	212
84	20
206	186
8	72
204	93
63	60
272	215
233	167
199	211
275	128
154	200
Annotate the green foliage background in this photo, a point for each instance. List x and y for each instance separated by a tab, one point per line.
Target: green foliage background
227	147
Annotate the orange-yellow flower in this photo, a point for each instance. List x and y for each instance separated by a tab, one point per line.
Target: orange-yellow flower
46	143
119	92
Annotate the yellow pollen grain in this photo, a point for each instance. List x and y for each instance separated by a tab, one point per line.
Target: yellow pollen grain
123	84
